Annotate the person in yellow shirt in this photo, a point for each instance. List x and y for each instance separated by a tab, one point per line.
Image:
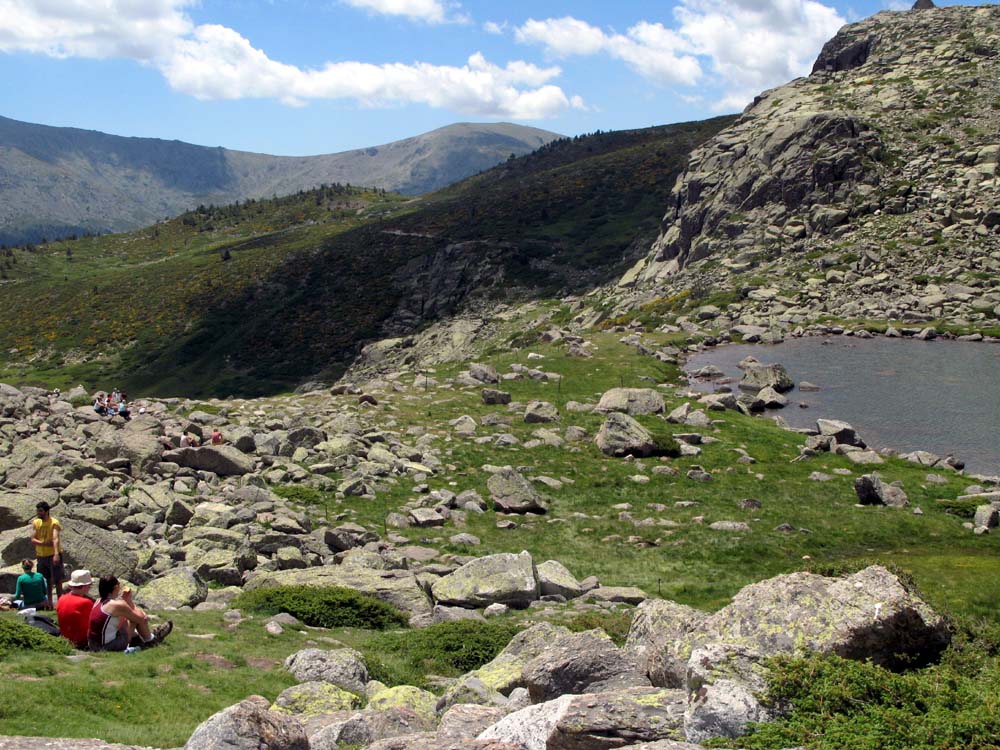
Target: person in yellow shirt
47	538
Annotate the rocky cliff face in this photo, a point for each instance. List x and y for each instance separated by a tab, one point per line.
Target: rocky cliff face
867	189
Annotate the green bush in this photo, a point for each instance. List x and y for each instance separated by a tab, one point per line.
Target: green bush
332	607
666	443
837	703
615	624
448	648
16	637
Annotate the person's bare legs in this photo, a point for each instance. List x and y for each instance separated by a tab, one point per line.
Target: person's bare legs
142	626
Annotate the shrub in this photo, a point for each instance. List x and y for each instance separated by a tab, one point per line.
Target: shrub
615	624
332	607
16	636
448	648
666	443
837	703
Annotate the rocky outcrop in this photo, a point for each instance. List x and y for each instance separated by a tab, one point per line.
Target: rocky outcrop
249	725
856	193
505	579
870	615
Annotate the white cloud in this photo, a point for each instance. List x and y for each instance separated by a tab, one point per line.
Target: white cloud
652	50
430	11
492	27
757	44
749	45
216	62
136	29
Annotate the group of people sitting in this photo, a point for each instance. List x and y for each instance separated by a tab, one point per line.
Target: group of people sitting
112	404
112	622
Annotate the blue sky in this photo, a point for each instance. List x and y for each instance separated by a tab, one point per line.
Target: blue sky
319	76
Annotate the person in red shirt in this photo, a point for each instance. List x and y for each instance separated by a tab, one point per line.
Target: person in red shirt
73	610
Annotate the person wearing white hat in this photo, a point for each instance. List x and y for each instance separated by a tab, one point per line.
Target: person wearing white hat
73	610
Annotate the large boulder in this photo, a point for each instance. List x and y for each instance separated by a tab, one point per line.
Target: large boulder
870	615
505	578
656	626
96	549
17	507
315	698
362	728
249	725
631	401
725	685
343	667
555	580
620	435
871	490
757	377
399	588
512	493
224	460
841	432
586	662
537	412
506	672
180	587
595	721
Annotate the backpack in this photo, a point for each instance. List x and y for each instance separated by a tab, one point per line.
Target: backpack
43	623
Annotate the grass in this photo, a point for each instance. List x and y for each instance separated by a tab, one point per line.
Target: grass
146	698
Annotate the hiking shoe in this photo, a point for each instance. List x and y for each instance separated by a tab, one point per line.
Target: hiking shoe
161	631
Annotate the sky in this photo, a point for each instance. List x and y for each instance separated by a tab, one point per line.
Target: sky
300	77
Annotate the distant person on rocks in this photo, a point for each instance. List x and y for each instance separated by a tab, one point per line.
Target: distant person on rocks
99	405
123	411
216	437
116	623
47	538
188	440
75	607
31	589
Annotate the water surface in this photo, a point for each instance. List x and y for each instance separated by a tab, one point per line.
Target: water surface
939	396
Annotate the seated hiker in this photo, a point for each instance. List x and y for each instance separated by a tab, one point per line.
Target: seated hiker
116	623
99	405
31	589
123	411
216	436
73	611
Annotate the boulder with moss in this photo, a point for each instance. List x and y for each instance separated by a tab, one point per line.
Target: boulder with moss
505	578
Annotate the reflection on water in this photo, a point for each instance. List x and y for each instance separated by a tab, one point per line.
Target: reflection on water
940	396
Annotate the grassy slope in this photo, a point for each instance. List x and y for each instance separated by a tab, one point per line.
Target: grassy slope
689	563
305	286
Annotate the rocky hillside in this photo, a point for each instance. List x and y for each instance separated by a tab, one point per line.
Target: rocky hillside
60	181
531	489
257	298
866	191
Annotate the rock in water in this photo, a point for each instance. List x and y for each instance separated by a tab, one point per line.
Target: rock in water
249	725
758	377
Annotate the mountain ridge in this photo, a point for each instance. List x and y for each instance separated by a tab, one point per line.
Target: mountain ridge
55	182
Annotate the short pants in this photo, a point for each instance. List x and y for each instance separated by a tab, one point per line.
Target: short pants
53	571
